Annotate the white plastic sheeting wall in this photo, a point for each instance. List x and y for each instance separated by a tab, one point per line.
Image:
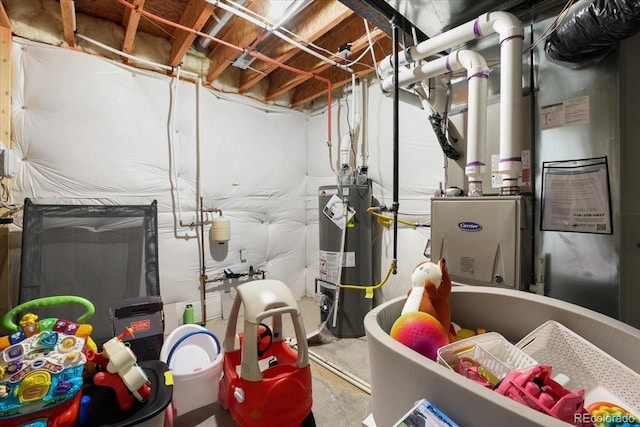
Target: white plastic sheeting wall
89	130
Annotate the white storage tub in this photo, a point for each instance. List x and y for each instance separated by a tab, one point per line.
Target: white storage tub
400	376
194	356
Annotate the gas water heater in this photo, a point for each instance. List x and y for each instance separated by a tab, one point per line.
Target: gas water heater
346	257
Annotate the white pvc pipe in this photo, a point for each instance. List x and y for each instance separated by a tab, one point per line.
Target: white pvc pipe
511	35
510	112
503	23
477	76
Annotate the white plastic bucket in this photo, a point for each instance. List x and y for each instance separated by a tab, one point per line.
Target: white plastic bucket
194	356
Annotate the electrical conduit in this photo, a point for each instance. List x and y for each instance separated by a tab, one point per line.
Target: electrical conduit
477	76
511	35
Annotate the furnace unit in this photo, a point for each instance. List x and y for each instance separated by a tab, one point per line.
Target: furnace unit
486	240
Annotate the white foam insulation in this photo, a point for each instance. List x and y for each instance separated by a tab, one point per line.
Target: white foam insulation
90	130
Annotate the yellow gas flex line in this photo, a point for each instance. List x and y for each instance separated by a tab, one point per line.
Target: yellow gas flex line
385	221
388	220
369	289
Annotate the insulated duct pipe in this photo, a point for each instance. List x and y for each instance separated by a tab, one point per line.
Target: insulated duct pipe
511	35
477	76
592	30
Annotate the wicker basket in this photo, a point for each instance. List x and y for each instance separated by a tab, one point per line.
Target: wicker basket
578	364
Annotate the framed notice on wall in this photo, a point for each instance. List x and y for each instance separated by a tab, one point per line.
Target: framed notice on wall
576	196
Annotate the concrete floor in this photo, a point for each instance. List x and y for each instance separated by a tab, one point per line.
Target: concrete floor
341	378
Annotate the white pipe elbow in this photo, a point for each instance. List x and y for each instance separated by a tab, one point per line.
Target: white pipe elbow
385	67
473	62
503	23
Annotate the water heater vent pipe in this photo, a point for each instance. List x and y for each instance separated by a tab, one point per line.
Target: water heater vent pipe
477	76
511	35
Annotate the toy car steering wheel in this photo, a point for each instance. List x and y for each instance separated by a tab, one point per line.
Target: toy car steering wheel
55	301
267	332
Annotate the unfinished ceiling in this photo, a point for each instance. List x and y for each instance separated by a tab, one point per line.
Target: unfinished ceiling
234	45
240	46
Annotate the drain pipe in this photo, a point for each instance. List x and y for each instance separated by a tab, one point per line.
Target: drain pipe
477	76
511	35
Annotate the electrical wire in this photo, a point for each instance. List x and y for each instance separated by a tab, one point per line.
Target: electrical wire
552	27
373	53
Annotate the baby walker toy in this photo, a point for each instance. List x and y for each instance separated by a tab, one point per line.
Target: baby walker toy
44	367
266	383
42	364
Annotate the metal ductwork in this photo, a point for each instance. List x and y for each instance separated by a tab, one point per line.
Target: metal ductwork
380	13
429	18
591	30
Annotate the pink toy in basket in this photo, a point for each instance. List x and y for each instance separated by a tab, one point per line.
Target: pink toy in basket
533	386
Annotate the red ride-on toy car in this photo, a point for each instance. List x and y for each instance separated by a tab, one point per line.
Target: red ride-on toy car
265	382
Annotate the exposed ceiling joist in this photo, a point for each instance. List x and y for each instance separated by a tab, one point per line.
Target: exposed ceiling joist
195	16
314	89
312	22
296	61
281	81
130	24
4	18
68	12
241	33
5	81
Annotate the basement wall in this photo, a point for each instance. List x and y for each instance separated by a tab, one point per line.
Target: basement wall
88	130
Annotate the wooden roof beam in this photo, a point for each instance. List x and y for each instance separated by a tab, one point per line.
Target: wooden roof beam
5	137
282	81
241	33
6	80
130	23
68	12
195	16
313	88
315	20
4	18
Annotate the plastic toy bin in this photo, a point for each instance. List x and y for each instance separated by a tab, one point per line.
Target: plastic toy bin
400	376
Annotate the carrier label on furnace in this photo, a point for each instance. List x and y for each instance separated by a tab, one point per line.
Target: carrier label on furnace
329	264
